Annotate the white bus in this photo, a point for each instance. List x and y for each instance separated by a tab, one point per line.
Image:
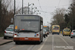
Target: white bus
28	28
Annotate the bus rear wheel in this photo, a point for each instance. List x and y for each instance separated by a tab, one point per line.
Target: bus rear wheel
42	40
63	35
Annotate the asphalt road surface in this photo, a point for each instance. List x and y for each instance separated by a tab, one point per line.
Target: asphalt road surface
52	42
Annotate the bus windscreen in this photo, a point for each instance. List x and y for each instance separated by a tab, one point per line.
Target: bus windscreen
55	28
27	23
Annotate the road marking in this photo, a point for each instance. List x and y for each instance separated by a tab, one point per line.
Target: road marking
30	48
64	41
71	40
14	47
53	42
43	43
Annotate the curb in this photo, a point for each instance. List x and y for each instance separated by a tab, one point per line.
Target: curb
5	43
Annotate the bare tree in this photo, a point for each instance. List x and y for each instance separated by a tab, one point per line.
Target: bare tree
60	11
6	3
5	14
58	18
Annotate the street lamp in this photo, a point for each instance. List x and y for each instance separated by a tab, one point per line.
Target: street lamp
14	7
36	11
22	6
28	6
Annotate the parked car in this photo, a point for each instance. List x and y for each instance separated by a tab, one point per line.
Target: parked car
8	32
11	26
72	34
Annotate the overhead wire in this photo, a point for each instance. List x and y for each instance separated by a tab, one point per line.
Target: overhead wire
59	2
39	4
54	6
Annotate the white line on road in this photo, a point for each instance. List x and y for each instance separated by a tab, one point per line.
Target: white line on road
64	41
15	47
30	47
52	42
71	40
43	44
12	48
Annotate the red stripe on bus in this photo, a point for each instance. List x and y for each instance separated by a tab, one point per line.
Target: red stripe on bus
26	39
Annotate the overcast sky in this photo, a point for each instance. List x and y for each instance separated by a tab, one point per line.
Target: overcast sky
48	6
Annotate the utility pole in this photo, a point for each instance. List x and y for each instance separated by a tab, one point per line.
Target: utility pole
28	8
14	7
0	8
22	6
0	13
72	20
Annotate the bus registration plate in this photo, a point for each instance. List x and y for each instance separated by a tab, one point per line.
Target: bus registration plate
26	38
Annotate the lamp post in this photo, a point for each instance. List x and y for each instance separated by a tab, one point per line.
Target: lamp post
14	7
22	6
28	7
35	8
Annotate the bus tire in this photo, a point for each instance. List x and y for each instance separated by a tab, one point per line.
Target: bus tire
39	42
63	35
58	33
16	43
5	37
71	37
42	40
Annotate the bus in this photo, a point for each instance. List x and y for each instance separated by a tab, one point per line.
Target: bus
28	28
45	31
55	29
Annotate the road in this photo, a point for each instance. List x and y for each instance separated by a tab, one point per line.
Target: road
52	42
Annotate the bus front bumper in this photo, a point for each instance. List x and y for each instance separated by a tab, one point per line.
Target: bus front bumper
25	39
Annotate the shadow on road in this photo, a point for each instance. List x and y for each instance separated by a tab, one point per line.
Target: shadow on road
8	38
29	43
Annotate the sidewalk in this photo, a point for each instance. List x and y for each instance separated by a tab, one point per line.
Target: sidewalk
4	41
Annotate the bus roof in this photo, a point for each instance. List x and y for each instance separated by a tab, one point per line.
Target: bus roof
45	26
29	15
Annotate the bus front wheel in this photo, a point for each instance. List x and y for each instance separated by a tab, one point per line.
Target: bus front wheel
16	43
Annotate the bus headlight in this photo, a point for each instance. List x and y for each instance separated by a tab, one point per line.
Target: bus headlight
15	35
